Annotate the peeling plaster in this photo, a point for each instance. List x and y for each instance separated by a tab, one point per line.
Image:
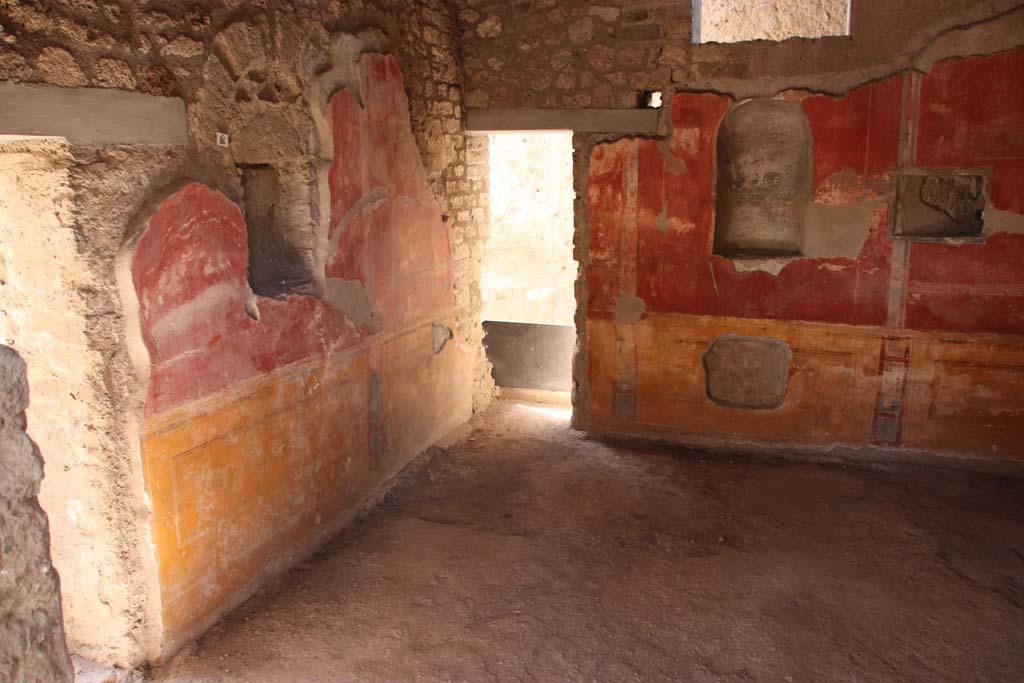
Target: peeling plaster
629	309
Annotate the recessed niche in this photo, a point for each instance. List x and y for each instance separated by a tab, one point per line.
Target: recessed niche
940	204
281	260
764	179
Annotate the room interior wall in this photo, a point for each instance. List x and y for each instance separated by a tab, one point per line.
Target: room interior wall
263	74
897	345
269	422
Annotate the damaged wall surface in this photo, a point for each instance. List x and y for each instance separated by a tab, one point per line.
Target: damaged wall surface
895	344
578	53
266	75
268	422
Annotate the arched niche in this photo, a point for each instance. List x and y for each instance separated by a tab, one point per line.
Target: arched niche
764	158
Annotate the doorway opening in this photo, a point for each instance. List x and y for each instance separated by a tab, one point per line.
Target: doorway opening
529	274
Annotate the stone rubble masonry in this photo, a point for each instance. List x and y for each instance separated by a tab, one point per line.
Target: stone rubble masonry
251	69
603	53
32	648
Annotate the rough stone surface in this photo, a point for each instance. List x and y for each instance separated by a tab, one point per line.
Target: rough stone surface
531	552
58	67
764	178
731	21
32	648
651	41
528	270
43	313
747	372
114	73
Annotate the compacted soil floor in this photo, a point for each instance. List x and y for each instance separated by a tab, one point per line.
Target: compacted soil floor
530	552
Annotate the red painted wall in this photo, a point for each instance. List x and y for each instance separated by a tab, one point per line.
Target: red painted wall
651	208
190	265
262	438
903	345
971	113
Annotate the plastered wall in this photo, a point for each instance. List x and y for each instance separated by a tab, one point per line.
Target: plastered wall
914	346
269	422
264	73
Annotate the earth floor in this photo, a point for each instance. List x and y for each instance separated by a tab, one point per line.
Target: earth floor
531	552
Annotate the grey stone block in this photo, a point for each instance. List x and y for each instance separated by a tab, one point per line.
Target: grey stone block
747	372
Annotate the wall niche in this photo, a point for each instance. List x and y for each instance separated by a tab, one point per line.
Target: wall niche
282	247
764	155
940	204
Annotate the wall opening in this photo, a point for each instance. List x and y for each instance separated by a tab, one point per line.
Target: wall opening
529	274
734	21
282	260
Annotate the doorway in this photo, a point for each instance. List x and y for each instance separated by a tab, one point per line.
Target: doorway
529	274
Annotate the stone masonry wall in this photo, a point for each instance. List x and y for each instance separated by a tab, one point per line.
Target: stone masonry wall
32	648
581	54
255	69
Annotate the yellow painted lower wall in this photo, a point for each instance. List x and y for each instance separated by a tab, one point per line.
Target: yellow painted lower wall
955	394
246	482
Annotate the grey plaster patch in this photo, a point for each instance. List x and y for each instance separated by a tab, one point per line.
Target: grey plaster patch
829	231
92	115
628	309
997	221
349	297
441	335
747	372
772	266
663	218
837	231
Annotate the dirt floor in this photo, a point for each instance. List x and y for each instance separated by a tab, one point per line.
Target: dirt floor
532	553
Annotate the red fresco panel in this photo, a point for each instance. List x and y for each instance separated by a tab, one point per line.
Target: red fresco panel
190	266
677	272
856	135
605	205
972	115
968	288
190	271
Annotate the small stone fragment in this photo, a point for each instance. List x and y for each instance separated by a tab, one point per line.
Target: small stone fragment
58	67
